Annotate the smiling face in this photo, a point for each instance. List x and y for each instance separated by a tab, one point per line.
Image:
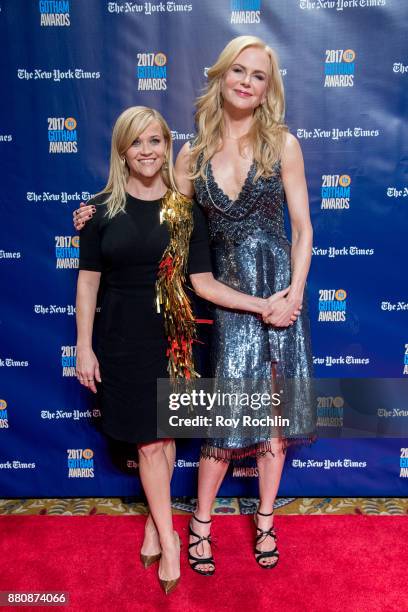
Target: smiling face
147	154
244	85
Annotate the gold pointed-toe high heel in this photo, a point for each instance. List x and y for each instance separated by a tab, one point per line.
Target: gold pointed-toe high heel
148	560
169	585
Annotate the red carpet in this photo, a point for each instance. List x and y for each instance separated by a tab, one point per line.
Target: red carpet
328	563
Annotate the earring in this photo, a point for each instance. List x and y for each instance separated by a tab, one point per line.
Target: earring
166	165
123	160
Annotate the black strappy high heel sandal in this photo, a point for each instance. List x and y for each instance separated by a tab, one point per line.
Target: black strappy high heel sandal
200	560
260	537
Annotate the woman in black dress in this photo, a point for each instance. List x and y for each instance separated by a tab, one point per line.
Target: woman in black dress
126	243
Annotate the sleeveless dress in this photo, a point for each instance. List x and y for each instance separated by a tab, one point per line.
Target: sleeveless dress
251	253
131	344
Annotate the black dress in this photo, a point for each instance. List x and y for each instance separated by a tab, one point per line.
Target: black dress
131	346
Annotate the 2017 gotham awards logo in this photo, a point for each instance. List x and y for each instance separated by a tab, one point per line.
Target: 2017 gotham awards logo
332	305
62	135
405	370
335	192
3	414
54	12
330	411
80	463
245	11
404	463
68	361
151	71
339	68
66	252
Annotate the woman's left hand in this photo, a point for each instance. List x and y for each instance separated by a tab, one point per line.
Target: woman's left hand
87	368
284	312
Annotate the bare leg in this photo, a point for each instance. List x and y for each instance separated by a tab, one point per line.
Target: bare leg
155	477
170	452
151	543
270	471
270	468
210	476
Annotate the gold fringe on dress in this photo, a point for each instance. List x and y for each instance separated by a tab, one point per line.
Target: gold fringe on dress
179	323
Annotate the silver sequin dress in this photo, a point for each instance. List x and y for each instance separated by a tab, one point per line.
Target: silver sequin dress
252	254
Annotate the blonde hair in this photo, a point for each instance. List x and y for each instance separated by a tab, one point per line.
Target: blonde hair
129	125
268	128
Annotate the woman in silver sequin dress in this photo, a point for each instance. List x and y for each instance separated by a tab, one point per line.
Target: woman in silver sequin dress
244	165
243	145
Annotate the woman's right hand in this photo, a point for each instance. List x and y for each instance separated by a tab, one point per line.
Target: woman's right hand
87	368
284	314
279	312
82	214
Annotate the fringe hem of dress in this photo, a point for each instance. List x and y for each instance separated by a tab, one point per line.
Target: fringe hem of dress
260	449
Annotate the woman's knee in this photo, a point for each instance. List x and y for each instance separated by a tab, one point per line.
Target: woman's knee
150	451
276	451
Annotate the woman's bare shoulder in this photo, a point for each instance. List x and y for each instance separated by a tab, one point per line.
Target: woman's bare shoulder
291	150
184	153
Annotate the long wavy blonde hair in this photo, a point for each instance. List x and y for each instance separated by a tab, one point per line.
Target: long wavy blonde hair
266	135
128	127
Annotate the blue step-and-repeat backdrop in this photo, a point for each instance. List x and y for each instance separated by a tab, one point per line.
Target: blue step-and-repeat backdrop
68	69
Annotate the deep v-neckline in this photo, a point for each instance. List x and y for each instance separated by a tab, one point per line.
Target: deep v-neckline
220	189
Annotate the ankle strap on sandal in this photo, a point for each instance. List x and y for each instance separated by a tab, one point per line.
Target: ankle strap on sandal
263	514
200	521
